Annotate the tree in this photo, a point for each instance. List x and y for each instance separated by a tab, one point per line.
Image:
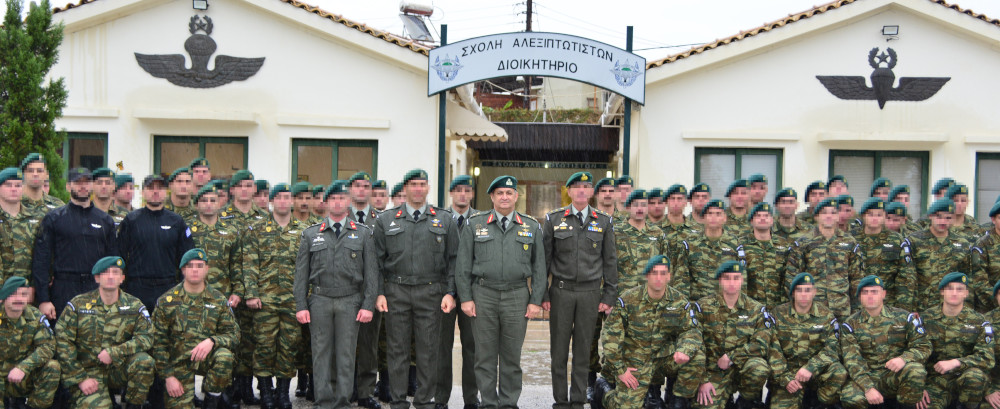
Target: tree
28	106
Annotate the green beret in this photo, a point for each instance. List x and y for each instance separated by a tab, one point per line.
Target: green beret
957	190
338	187
757	178
461	180
221	184
208	188
759	207
102	173
11	285
713	203
170	179
895	208
675	190
953	277
657	260
378	184
106	263
837	178
636	195
624	180
656	193
193	254
300	187
318	190
942	205
801	278
418	174
396	189
942	184
11	174
874	203
845	200
278	188
584	177
604	182
786	192
262	184
898	190
359	176
736	183
121	179
240	176
827	202
996	287
995	209
878	184
729	267
868	281
32	157
699	187
198	162
502	181
817	185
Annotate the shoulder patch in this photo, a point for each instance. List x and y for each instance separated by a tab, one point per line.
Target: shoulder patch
71	306
988	329
848	327
45	323
621	302
976	248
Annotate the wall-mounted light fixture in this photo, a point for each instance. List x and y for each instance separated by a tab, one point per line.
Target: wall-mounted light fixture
200	4
890	32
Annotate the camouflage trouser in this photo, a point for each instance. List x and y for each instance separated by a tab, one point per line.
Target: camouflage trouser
39	385
303	351
687	376
244	351
278	334
136	372
826	382
748	380
217	369
968	387
907	386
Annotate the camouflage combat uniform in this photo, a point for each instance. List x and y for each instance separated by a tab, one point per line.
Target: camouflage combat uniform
971	229
744	334
986	266
17	243
124	329
967	337
765	263
695	262
994	375
244	316
737	225
797	231
117	214
807	217
44	206
808	341
187	213
27	343
887	255
836	263
635	247
933	258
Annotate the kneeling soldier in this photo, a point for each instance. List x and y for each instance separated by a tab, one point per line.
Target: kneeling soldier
195	333
104	337
27	349
804	355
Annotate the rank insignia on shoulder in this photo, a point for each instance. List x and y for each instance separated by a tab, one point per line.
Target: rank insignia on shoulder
170	298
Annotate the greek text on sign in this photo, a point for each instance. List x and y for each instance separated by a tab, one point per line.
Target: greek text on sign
537	54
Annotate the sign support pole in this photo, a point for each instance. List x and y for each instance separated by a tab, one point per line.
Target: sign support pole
627	143
442	123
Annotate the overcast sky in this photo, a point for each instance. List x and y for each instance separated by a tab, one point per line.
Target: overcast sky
658	24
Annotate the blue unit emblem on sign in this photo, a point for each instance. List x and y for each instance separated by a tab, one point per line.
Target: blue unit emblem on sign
626	74
448	68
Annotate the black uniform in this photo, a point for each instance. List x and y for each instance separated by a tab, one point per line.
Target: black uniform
152	243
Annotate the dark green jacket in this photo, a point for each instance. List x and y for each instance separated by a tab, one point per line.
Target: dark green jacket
417	251
502	259
337	267
582	254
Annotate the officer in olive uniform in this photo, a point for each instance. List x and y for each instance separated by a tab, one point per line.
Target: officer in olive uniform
360	188
30	372
581	258
104	338
18	228
336	285
380	196
416	243
501	253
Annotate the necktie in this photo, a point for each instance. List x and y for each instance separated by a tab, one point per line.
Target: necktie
461	220
416	214
503	223
361	217
579	216
336	229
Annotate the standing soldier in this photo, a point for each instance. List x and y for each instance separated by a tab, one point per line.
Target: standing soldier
18	228
462	191
262	194
581	258
181	190
27	355
880	188
605	195
696	256
804	355
699	195
380	196
319	205
636	241
336	283
360	188
897	221
649	317
674	225
962	354
104	338
787	226
501	253
201	173
657	213
764	255
302	200
736	331
221	244
887	255
623	187
417	248
738	194
758	188
124	192
962	223
35	198
846	217
604	201
837	185
194	333
992	390
815	192
832	255
397	195
940	191
986	255
269	249
104	185
936	252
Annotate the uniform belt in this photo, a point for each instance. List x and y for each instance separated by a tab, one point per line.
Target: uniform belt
577	285
500	285
413	280
334	292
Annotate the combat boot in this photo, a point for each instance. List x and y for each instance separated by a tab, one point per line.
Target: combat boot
301	384
132	406
282	400
17	403
601	388
382	388
744	403
411	386
246	394
211	401
311	390
591	378
653	400
668	392
266	392
679	402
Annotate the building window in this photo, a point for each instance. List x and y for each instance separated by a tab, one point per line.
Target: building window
987	184
225	155
720	167
321	161
88	150
861	168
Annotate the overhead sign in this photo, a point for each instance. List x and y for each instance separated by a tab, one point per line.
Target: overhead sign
537	54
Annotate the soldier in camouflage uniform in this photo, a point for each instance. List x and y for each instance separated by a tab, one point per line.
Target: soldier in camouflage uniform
962	354
221	244
847	220
18	228
269	250
787	226
652	332
992	389
623	187
880	188
738	194
104	186
104	337
194	333
962	223
986	254
605	195
940	191
836	186
35	199
897	221
261	196
815	192
201	173
737	332
674	224
804	354
698	197
887	255
657	213
124	192
884	350
636	241
318	204
832	256
28	368
698	256
936	252
764	255
302	200
181	191
758	188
